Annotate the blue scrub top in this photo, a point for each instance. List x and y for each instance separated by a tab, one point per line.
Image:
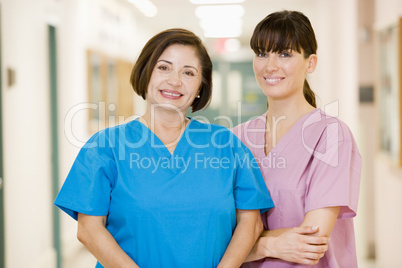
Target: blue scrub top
166	210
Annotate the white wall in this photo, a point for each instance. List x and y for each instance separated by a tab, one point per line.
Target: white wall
336	77
388	178
365	220
27	148
27	188
388	185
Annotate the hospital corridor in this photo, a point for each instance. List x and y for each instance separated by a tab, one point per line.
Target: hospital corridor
65	69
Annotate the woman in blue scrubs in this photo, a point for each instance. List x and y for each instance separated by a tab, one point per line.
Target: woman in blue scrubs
165	190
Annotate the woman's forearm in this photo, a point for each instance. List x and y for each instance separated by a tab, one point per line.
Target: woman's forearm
262	248
290	244
325	218
303	244
248	229
98	240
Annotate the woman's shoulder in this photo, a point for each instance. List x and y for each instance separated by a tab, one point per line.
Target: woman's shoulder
256	122
321	122
111	135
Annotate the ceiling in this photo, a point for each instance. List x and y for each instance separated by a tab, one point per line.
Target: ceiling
181	13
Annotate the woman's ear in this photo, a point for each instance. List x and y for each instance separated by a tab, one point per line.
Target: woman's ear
312	63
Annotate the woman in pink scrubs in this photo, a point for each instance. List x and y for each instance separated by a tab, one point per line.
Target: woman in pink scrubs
309	160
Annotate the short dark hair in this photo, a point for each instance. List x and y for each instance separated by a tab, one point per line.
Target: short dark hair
153	49
285	30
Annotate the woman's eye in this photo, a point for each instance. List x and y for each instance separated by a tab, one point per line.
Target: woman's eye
163	67
189	73
262	55
285	54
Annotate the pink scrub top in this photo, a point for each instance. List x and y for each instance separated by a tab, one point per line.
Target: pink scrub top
316	164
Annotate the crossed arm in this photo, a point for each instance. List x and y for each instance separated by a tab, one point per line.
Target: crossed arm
303	244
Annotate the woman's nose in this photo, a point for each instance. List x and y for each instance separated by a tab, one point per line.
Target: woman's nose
174	79
272	64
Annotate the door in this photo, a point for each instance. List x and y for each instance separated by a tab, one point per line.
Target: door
54	138
2	233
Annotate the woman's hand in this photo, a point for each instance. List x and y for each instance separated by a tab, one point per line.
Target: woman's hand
303	244
296	245
97	239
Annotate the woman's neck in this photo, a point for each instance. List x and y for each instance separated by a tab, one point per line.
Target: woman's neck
168	126
287	112
162	120
281	116
291	111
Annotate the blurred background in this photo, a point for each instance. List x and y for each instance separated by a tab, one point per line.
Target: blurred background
65	67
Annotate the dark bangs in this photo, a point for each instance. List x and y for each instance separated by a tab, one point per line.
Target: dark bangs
275	36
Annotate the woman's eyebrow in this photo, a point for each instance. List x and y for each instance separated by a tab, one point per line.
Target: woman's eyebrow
165	61
189	66
185	66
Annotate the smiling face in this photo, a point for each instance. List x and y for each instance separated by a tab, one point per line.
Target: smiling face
285	47
281	75
175	79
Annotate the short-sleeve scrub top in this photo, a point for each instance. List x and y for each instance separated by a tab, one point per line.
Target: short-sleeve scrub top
163	209
316	164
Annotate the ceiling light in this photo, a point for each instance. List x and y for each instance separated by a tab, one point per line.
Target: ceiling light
220	11
232	45
218	28
146	7
222	33
209	2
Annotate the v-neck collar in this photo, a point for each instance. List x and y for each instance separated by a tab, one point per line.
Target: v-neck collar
282	143
158	145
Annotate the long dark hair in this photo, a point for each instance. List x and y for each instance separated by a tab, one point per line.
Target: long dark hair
284	30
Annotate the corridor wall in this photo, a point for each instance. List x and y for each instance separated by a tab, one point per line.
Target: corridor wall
106	26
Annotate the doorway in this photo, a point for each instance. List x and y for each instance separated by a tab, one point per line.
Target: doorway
2	233
54	138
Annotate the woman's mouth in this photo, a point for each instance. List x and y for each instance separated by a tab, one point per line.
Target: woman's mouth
273	81
170	94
